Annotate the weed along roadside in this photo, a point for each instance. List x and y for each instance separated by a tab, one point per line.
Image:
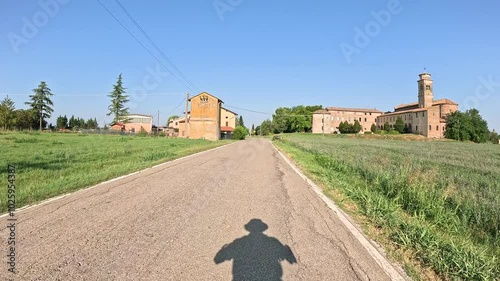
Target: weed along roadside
433	207
48	165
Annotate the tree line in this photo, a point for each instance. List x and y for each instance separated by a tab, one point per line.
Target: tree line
297	119
41	108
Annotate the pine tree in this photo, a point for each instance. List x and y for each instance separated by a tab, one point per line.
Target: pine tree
7	113
41	103
62	122
118	100
240	123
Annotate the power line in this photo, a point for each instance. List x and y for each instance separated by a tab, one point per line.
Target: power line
90	95
176	107
266	113
154	44
249	110
143	46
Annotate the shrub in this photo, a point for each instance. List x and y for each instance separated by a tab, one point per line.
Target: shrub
240	133
142	133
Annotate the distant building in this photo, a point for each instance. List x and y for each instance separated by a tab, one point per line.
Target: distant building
426	117
134	124
228	122
327	121
207	119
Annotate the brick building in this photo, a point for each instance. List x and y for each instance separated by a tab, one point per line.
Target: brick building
327	121
207	119
426	117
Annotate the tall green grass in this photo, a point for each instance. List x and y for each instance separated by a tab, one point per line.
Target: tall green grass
48	165
440	200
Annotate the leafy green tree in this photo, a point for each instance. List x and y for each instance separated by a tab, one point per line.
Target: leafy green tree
373	128
466	126
7	113
25	119
257	130
266	127
118	100
356	127
494	137
173	117
387	127
240	133
343	127
295	119
41	103
62	122
400	125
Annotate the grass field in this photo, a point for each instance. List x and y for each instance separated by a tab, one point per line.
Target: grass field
48	165
435	205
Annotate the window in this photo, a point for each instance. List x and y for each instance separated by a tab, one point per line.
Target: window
365	119
437	127
227	124
423	113
416	128
430	127
226	117
416	114
365	113
359	119
338	118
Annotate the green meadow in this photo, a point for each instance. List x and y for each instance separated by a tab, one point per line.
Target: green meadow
51	164
434	205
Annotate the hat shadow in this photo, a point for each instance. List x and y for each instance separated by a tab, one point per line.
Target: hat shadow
256	256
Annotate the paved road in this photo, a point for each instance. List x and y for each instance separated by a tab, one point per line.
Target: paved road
235	212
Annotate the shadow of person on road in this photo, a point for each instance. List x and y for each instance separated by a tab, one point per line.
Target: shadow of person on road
256	256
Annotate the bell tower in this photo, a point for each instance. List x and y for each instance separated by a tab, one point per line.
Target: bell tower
425	95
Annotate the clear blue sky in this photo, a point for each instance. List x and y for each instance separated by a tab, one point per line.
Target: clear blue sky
258	55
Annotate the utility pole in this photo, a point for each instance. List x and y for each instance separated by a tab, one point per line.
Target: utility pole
186	122
323	127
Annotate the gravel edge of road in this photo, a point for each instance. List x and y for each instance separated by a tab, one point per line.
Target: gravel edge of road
395	272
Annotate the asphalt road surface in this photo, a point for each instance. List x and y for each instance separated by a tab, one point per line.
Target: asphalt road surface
234	213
